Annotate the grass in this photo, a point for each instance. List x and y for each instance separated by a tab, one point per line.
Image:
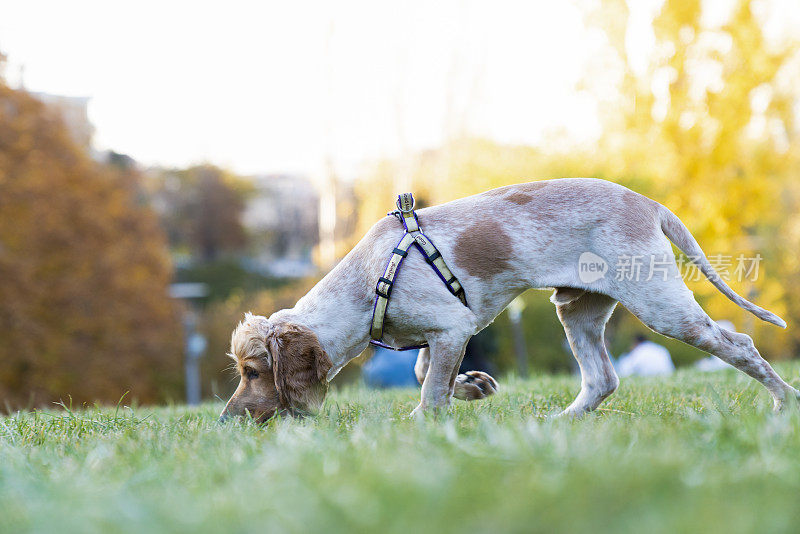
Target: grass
699	453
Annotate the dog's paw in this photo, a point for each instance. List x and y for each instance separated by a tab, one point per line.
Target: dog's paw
474	385
418	414
569	414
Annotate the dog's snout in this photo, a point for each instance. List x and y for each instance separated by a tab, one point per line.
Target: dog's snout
224	417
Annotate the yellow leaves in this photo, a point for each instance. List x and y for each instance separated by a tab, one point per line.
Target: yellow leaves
726	179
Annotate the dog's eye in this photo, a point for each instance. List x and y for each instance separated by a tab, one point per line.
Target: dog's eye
251	374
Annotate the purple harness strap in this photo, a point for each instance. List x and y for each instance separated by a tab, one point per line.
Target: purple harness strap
385	346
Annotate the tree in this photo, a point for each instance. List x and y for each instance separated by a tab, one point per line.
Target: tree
84	270
709	128
202	209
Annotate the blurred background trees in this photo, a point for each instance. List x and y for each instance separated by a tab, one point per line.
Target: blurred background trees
202	210
84	310
708	126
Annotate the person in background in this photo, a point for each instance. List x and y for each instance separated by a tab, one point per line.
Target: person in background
646	358
712	363
390	369
479	352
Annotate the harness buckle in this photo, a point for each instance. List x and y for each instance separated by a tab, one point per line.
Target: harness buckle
405	202
389	284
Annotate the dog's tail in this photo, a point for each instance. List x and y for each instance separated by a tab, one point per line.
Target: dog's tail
677	232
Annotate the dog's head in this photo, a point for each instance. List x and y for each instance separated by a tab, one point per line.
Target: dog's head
282	369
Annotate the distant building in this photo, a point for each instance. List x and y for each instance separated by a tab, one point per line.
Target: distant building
74	111
282	218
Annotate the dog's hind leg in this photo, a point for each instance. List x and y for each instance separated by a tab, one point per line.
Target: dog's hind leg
670	309
472	385
423	362
584	316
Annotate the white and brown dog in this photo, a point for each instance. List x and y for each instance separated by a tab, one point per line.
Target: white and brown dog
498	243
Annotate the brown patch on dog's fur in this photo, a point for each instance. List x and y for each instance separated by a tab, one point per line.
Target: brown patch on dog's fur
517	193
519	198
483	249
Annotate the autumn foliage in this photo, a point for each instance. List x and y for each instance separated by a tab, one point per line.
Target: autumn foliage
84	272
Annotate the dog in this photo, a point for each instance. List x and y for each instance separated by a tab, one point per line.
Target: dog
498	243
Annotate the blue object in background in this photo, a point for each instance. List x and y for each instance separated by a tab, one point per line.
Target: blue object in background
390	369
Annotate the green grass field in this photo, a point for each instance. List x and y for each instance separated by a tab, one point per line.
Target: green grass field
692	453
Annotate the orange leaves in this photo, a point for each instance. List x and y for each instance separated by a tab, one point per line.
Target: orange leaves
84	309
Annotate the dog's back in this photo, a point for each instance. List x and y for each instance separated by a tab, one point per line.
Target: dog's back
535	232
569	232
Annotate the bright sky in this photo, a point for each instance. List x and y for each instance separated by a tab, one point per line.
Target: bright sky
274	86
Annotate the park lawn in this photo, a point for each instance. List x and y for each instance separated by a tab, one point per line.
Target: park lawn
690	453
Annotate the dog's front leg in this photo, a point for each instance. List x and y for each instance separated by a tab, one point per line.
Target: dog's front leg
470	386
446	353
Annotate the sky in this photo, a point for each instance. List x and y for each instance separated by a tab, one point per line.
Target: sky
272	86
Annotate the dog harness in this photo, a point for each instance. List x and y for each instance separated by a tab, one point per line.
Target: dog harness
413	236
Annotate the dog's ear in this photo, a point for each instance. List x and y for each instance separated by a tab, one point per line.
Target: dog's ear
300	367
249	338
